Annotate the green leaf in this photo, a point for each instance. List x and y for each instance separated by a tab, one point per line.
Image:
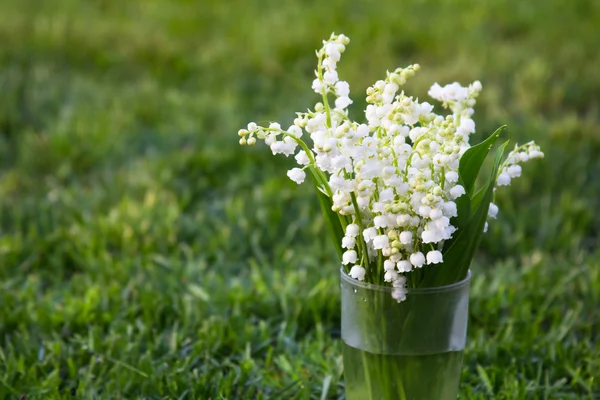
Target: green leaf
463	207
468	170
459	251
331	218
472	160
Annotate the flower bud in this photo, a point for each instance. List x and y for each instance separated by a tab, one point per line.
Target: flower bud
343	39
347	210
300	122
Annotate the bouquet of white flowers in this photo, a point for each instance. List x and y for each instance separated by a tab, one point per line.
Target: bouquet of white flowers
399	196
398	191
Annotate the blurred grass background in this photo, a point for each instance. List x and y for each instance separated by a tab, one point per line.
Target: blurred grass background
145	254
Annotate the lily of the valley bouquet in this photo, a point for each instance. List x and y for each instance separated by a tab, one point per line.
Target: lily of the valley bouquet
399	194
398	191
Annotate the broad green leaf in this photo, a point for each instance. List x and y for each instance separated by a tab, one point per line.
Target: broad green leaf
331	218
463	207
472	160
462	251
479	195
469	168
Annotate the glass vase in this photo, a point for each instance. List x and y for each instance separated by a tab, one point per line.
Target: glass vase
409	350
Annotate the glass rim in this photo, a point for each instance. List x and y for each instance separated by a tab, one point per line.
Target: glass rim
435	289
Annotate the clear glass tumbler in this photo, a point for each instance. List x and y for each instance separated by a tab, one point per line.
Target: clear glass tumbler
409	350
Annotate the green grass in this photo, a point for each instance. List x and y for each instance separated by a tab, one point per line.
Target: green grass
145	254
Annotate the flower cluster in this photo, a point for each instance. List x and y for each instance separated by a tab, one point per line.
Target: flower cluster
393	180
511	168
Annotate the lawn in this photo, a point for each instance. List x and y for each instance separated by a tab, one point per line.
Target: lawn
145	254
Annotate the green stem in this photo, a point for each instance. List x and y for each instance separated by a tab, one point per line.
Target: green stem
366	372
443	178
322	178
324	92
380	266
364	251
